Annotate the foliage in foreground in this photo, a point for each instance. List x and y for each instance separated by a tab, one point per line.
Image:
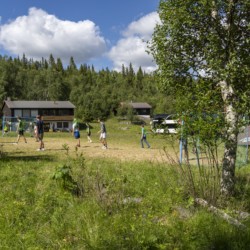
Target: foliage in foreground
202	53
121	206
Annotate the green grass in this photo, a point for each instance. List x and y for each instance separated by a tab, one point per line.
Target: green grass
121	205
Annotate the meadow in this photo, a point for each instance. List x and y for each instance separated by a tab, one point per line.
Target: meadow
125	197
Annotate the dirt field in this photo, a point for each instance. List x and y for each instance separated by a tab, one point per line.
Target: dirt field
116	149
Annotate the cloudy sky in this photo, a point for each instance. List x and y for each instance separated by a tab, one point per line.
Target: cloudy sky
105	33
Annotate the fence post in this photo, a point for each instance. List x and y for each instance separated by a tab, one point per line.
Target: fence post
3	119
181	142
247	142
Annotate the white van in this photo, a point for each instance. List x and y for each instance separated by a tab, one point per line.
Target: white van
165	125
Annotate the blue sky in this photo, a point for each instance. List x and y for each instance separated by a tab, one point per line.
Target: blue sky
105	33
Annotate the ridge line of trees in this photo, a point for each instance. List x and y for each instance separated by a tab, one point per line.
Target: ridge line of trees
95	94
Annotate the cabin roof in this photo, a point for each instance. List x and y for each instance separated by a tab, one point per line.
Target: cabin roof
39	104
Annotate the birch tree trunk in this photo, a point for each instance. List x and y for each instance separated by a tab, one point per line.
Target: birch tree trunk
229	159
206	42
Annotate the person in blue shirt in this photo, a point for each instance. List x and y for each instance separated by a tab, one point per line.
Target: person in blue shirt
76	132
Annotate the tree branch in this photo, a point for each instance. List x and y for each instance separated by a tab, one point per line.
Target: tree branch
220	213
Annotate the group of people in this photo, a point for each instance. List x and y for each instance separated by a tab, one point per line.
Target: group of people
76	132
102	132
39	131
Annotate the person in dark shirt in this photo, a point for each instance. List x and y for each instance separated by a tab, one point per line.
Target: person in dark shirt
40	132
103	134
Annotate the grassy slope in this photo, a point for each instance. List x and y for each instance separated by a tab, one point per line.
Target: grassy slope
128	200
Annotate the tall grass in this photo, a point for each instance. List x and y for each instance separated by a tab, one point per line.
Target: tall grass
118	205
137	205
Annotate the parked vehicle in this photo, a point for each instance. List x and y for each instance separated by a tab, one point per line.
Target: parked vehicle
164	123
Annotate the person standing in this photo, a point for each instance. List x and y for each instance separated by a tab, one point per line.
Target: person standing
35	132
103	134
40	132
88	133
144	137
76	131
6	129
20	130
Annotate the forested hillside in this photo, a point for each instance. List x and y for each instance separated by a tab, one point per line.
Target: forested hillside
94	93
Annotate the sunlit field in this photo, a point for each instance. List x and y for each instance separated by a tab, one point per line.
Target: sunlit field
124	197
123	144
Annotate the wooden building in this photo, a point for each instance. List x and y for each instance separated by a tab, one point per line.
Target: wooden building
140	108
57	115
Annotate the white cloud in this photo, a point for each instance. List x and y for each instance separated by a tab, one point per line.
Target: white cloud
131	50
132	47
40	34
143	27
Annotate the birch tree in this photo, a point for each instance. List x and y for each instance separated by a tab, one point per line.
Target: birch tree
204	46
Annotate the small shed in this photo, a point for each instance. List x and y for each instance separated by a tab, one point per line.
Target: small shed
140	108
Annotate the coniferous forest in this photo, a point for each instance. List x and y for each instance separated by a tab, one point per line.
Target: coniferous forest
94	93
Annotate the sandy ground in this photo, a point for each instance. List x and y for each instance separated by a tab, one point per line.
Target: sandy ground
122	152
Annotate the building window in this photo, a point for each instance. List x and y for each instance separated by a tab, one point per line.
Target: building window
18	112
63	112
34	112
45	112
65	124
62	125
26	113
59	125
52	112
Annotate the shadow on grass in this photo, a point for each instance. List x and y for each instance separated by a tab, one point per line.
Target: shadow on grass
27	158
115	149
54	149
8	142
